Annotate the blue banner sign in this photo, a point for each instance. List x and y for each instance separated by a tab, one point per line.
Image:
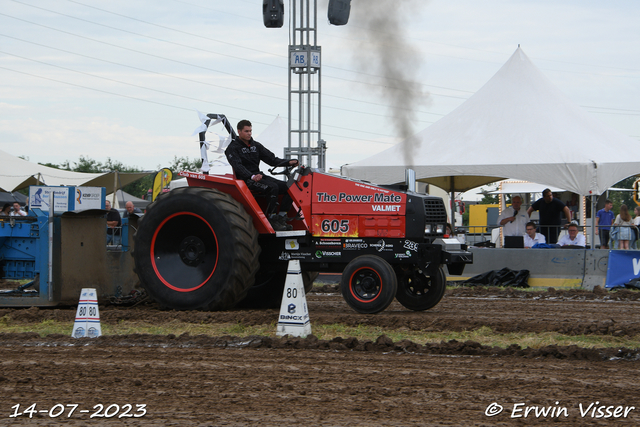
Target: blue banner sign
623	266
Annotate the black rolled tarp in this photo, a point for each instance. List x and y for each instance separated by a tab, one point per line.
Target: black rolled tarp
505	277
633	284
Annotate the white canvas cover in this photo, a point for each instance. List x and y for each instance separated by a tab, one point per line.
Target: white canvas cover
518	126
521	187
274	137
17	173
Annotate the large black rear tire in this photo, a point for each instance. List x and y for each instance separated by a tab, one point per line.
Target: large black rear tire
368	284
419	292
196	248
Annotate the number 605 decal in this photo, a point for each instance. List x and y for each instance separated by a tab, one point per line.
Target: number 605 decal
335	226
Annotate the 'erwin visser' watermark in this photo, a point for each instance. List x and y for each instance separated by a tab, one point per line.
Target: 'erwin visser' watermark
584	410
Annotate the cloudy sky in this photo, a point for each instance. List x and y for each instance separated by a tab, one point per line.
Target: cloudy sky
123	79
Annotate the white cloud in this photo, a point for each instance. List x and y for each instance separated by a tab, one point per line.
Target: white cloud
59	140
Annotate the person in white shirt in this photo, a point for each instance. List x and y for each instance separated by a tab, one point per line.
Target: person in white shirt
514	219
17	210
531	238
573	238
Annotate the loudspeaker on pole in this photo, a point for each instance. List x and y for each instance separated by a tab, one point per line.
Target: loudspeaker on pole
87	323
294	313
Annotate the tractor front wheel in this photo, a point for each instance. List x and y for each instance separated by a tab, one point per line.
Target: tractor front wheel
419	292
368	284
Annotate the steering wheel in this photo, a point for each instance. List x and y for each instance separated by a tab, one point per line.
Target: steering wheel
286	171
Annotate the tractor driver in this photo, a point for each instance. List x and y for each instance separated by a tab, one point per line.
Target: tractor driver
244	155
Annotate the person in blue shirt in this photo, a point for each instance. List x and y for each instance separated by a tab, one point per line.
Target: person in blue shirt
604	219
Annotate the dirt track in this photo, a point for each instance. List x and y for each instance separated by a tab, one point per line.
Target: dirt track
229	381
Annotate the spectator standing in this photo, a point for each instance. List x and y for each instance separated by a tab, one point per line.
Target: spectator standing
131	209
551	210
573	205
513	218
532	237
604	219
114	222
636	230
636	220
624	223
6	210
17	210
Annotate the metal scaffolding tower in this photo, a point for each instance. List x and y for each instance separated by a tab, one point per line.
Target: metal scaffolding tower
305	142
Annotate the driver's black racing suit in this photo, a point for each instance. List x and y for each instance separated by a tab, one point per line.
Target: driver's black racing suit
245	161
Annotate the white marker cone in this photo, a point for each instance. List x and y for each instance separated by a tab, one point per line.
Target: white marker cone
294	314
87	322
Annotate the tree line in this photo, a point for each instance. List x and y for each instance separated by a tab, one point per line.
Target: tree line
138	188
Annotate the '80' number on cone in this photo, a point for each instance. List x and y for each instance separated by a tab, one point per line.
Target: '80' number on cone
83	311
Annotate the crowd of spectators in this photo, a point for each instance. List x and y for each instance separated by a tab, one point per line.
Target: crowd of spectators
619	231
13	209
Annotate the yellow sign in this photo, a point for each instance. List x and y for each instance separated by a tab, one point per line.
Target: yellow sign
162	179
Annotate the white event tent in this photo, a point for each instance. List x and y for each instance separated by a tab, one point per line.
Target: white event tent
518	126
18	173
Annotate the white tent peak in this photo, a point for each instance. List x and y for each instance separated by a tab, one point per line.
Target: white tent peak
520	126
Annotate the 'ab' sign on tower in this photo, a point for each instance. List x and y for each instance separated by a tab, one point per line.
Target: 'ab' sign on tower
301	58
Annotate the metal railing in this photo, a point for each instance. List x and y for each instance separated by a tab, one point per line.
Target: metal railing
114	238
119	237
476	235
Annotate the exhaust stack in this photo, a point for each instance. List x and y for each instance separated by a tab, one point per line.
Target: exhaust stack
410	179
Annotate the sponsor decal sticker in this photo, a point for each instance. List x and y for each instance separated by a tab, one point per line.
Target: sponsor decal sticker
291	244
381	246
354	246
291	317
385	208
407	254
329	242
286	256
328	254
